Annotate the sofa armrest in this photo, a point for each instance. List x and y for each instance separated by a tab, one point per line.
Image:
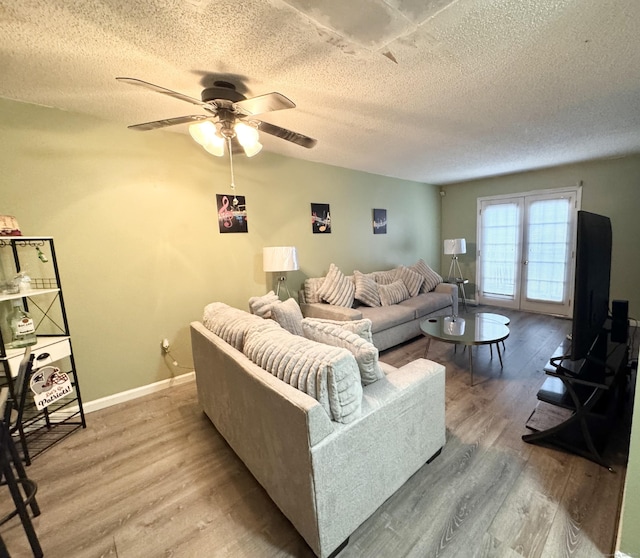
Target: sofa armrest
329	312
452	289
365	462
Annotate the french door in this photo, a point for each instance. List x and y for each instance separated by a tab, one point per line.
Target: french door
526	247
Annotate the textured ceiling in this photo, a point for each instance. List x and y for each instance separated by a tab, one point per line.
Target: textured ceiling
435	91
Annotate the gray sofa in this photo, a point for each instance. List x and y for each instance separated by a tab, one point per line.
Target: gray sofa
392	324
327	477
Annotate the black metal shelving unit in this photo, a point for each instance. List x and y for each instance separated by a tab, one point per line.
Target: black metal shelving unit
38	430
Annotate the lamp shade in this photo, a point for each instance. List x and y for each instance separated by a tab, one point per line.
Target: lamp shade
279	258
455	246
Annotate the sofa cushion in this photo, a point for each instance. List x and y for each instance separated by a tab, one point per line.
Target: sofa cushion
231	324
261	305
361	328
366	289
288	315
393	294
431	278
328	374
427	303
336	288
365	353
412	280
384	317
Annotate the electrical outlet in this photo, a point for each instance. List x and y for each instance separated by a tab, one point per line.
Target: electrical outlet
165	345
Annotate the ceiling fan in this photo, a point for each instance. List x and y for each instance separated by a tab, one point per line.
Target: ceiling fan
230	118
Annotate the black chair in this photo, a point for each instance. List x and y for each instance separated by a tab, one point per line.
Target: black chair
12	471
14	411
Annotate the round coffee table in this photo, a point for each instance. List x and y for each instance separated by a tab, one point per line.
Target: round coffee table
466	329
498	318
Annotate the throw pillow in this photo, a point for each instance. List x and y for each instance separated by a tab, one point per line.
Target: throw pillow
288	315
411	279
311	286
431	278
359	327
393	294
261	305
337	289
385	277
328	374
229	323
365	353
366	289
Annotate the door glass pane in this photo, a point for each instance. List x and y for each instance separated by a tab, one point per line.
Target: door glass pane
548	249
499	252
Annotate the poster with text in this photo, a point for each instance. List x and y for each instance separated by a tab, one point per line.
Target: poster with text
232	213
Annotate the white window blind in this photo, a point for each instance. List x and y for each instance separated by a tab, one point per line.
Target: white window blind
500	249
548	249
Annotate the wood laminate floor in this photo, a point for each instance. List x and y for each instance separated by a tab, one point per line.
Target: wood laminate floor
153	478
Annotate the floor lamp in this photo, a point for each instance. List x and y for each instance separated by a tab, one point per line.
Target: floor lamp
278	259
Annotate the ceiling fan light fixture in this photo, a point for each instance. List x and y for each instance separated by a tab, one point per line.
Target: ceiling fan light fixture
247	134
253	149
215	146
203	132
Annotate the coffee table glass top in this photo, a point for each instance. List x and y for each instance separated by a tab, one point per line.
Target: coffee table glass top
496	317
466	329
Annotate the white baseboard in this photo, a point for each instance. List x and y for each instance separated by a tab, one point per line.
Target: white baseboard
134	393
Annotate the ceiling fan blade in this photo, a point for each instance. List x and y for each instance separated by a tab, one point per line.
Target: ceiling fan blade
167	122
283	133
264	103
164	91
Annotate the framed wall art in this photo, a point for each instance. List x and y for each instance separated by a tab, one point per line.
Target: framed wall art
232	213
379	221
320	218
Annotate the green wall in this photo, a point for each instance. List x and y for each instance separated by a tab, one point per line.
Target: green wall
610	187
135	224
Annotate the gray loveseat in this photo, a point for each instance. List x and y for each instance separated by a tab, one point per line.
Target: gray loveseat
326	476
391	323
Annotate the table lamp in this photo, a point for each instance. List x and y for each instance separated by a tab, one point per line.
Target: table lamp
278	259
455	246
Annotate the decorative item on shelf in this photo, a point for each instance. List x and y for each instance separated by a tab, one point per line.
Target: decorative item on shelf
41	255
9	286
9	226
24	281
453	247
23	330
278	259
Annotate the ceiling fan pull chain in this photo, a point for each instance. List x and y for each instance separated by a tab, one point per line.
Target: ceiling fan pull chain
233	182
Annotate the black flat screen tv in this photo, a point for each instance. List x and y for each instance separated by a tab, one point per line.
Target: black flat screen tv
592	278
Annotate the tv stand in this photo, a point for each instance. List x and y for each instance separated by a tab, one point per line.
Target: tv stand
579	401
